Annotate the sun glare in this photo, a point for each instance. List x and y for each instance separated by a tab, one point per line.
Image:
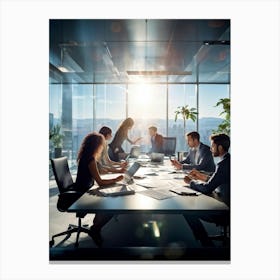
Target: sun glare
144	93
145	100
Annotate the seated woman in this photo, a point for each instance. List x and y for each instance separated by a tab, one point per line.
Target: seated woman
89	153
105	164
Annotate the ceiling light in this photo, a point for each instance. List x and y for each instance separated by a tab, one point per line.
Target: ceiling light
219	42
159	73
68	64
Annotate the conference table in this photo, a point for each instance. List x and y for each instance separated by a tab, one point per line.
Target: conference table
152	195
153	185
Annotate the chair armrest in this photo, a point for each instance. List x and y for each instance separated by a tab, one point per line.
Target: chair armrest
66	199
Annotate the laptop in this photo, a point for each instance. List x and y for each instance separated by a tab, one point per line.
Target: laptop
130	172
122	188
135	151
157	157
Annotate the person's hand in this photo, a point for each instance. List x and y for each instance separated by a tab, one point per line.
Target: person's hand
176	163
119	178
122	170
134	142
124	164
195	174
187	179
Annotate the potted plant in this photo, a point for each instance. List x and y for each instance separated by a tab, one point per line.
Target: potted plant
224	127
57	139
187	113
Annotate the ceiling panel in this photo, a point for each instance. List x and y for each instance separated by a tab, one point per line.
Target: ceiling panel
103	51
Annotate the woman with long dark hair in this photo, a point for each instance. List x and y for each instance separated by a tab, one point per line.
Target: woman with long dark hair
105	164
89	153
121	135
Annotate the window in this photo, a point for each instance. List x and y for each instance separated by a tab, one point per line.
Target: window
180	95
147	107
209	117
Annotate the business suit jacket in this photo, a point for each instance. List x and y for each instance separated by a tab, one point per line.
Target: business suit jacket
157	143
219	181
205	159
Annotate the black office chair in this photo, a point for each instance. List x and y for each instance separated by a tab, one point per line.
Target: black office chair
67	196
169	146
223	222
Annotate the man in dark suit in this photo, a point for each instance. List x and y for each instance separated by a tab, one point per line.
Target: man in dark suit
198	157
156	140
216	185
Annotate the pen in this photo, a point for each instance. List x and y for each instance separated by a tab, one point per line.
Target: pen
189	194
184	193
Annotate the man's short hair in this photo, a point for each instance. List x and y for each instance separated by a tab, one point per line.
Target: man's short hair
105	130
194	135
221	139
153	128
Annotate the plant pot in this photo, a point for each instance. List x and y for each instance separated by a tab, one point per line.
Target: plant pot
57	152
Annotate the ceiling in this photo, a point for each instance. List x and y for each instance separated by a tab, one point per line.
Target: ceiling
128	51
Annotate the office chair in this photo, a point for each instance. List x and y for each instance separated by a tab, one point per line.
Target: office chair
169	146
223	222
67	196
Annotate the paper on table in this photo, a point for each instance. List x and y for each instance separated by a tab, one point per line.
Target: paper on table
158	193
118	189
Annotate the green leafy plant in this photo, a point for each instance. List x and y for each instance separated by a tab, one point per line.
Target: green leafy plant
56	137
186	113
224	127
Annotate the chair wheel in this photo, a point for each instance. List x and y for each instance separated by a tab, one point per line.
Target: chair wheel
51	243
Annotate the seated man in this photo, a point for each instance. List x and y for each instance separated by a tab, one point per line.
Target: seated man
198	157
219	182
156	140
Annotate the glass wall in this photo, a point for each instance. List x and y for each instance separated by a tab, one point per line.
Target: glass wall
55	110
82	115
180	95
93	106
147	106
209	115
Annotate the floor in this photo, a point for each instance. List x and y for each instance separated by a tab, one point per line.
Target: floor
144	236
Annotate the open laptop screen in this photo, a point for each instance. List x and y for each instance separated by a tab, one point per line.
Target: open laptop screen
133	169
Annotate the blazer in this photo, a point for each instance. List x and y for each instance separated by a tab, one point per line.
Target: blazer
205	159
219	181
157	144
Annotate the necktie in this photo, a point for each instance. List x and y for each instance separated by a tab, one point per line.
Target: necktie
195	156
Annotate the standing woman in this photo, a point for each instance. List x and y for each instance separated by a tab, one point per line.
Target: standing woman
115	147
89	153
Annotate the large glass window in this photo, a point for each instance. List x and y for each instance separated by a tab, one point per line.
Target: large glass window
94	106
209	115
82	115
147	106
180	95
55	110
109	106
